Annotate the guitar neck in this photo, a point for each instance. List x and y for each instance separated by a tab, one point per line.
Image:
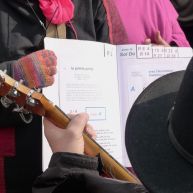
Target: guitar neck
110	165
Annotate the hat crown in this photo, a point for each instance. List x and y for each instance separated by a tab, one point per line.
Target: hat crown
182	116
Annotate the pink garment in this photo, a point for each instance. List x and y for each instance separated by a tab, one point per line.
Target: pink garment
57	11
117	32
142	18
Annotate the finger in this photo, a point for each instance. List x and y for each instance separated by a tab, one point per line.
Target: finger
47	53
51	53
159	40
79	121
49	80
90	131
46	58
50	61
88	128
147	41
71	115
51	70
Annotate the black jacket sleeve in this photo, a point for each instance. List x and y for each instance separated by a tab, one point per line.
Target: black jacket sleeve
90	21
73	173
101	23
7	66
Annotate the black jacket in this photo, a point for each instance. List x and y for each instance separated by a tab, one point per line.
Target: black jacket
73	173
185	10
21	34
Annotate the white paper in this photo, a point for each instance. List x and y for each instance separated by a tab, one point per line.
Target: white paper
104	80
87	82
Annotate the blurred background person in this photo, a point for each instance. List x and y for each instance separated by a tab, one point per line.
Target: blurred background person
185	10
150	21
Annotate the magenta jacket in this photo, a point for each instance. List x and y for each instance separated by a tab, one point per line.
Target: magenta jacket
142	18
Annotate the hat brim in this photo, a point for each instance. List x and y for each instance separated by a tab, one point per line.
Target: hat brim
155	161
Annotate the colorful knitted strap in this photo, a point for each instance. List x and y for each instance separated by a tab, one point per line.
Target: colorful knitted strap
36	69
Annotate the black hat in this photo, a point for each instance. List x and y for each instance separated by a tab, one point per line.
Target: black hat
159	134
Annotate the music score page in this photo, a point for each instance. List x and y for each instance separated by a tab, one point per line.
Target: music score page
104	80
86	81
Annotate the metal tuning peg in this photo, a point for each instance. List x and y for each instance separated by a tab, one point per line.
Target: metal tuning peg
14	92
25	115
18	109
6	102
30	100
27	118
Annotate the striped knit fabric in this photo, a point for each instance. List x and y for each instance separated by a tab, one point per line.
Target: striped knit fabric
37	70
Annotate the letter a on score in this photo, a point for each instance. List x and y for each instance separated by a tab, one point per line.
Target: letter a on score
132	89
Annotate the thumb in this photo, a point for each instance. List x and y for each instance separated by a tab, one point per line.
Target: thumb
159	40
147	41
78	121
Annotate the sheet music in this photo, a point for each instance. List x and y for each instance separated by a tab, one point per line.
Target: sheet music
87	82
104	80
138	66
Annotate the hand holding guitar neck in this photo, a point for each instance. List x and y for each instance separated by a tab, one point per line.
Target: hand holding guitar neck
69	139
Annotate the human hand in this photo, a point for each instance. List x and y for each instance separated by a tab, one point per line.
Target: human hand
158	40
71	138
37	69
